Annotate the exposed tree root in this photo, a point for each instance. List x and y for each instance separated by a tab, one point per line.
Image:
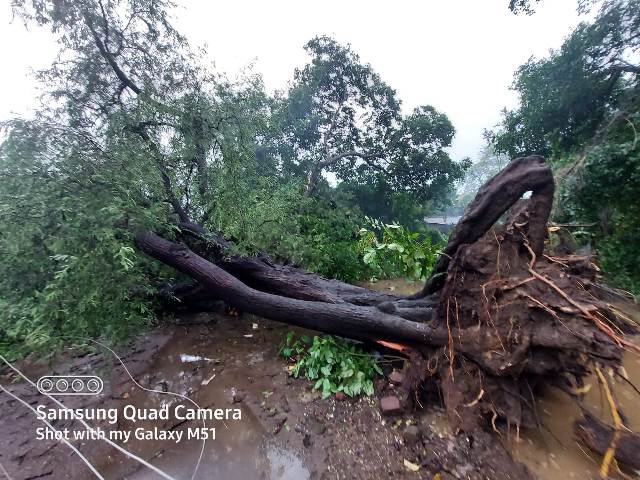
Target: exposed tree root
599	436
498	318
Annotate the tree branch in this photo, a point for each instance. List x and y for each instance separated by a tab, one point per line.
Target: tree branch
369	322
316	170
107	55
106	25
334	121
164	175
351	153
626	67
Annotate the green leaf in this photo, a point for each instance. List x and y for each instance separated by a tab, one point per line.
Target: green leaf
349	372
326	387
368	387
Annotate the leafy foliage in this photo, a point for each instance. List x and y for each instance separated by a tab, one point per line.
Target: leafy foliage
565	97
580	106
335	364
136	131
341	117
521	6
400	253
377	199
68	269
605	192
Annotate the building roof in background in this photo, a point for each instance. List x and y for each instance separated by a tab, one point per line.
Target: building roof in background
448	220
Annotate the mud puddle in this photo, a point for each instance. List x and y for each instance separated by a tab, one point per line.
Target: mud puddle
214	372
553	453
286	430
219	365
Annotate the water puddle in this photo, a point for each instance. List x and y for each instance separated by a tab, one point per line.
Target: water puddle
210	373
284	465
553	453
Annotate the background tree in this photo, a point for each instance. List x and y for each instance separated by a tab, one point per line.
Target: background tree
136	131
489	164
579	106
340	117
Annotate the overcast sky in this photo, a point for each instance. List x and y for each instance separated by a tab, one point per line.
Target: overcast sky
457	55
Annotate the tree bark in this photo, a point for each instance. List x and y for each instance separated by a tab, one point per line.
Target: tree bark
597	435
312	180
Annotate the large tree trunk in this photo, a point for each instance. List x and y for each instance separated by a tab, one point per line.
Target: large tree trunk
497	318
312	180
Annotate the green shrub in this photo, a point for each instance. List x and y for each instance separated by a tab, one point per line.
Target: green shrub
335	364
604	191
400	253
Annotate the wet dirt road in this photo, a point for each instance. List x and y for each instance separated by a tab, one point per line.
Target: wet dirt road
286	430
213	370
216	374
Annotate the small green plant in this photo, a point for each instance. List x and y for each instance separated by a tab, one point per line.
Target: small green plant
335	364
400	253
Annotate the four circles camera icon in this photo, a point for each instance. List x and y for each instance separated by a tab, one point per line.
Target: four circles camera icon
70	385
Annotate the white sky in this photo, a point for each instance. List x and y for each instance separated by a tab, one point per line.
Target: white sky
457	55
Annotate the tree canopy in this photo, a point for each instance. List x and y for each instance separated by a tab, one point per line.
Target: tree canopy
580	106
565	97
339	116
138	131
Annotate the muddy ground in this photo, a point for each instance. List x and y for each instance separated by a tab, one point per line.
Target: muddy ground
286	432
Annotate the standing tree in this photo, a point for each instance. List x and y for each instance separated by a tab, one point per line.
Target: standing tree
568	96
580	106
340	117
487	166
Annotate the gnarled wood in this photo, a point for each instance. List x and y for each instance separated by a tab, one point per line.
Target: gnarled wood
497	317
492	201
597	435
340	318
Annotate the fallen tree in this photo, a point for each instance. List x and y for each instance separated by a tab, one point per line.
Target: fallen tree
499	317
